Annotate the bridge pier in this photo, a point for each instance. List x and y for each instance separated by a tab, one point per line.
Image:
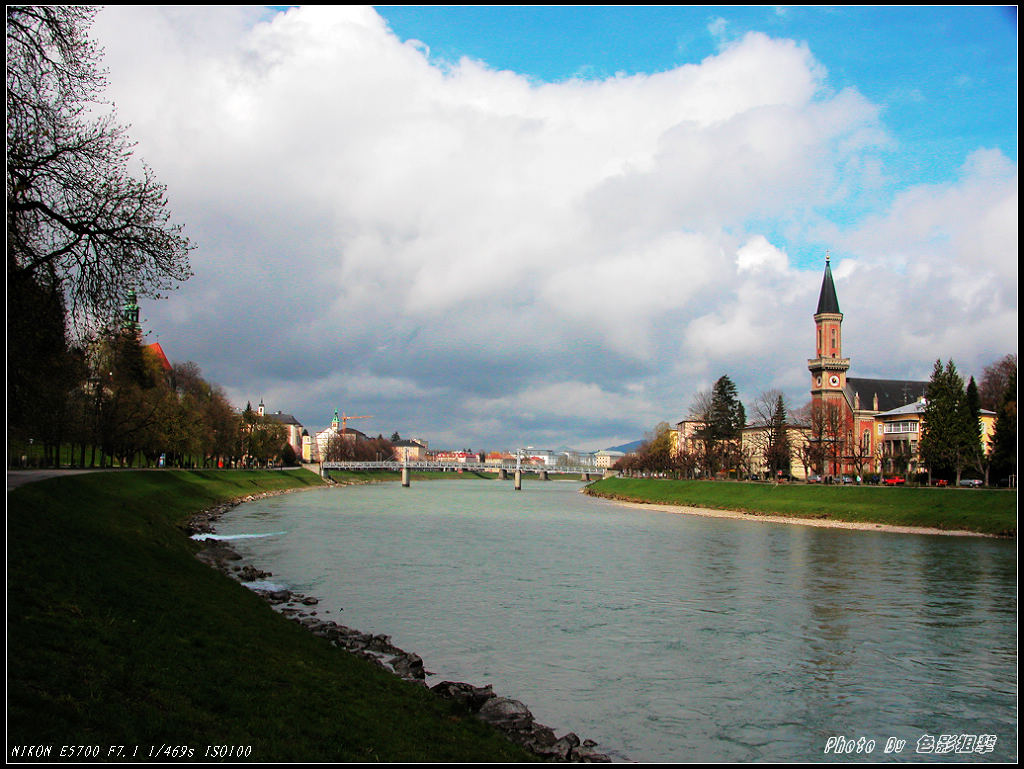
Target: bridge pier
503	474
544	475
405	477
519	480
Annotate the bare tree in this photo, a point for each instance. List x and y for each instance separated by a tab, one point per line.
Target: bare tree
704	445
860	453
994	381
77	217
827	435
834	431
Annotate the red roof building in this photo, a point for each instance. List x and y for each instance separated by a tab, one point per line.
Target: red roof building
158	352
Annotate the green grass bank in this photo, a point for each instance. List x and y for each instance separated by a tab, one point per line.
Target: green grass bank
118	636
985	511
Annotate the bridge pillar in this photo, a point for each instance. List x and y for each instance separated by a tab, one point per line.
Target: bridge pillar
405	477
503	474
544	475
519	480
586	477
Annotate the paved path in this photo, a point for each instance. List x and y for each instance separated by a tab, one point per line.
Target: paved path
16	478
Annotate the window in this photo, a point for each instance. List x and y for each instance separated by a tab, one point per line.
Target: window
907	426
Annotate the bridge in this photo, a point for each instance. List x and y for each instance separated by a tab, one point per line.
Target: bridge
587	472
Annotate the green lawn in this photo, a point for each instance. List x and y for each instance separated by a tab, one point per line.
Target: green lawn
118	635
988	511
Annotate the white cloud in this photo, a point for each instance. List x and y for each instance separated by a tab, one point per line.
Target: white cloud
375	227
757	254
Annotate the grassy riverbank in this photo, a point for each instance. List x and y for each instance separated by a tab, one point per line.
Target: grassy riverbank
118	636
987	511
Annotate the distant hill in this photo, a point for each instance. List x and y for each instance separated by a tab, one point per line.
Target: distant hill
626	448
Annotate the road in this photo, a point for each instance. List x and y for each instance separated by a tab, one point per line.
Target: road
16	478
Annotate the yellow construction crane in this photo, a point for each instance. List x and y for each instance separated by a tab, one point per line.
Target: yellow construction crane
345	418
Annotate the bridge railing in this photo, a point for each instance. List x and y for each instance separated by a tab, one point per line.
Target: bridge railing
464	466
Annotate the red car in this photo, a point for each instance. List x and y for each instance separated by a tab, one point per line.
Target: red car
895	481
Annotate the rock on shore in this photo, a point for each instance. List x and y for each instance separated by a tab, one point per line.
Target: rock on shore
510	716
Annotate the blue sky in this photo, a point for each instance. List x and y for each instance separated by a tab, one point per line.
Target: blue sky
505	226
943	77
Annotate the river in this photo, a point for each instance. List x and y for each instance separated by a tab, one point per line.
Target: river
668	637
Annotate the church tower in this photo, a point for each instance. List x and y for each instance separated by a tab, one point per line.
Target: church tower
828	369
130	315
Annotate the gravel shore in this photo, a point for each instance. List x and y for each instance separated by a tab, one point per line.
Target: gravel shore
819	522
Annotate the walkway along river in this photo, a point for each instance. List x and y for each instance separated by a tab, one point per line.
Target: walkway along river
668	637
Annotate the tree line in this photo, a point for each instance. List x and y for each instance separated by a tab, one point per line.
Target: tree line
86	222
951	439
353	446
111	402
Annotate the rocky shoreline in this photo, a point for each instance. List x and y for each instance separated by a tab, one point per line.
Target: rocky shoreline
512	717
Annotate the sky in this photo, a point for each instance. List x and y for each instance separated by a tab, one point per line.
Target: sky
499	227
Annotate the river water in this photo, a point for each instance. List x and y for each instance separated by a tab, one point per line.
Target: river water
668	637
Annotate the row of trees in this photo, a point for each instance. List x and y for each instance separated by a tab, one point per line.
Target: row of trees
354	447
820	436
713	447
86	222
112	402
951	439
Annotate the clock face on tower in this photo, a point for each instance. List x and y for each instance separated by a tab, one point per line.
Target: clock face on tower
833	380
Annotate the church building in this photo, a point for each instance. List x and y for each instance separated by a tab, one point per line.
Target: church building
848	412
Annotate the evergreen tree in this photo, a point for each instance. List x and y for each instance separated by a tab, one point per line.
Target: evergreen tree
44	373
947	431
974	451
726	420
778	453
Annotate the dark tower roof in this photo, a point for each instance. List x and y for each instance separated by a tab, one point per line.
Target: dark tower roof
827	300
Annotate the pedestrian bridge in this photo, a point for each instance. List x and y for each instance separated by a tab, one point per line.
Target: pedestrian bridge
587	472
474	467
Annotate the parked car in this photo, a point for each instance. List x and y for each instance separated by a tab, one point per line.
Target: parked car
895	480
972	482
941	482
814	479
